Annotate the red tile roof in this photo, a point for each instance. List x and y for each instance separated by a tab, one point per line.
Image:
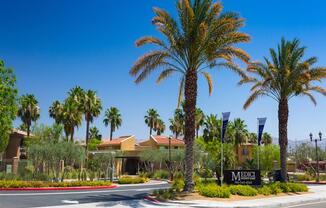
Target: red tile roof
164	140
113	142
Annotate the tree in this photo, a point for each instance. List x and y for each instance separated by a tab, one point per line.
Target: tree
159	126
112	117
150	119
91	106
283	77
28	110
8	104
55	111
267	139
94	133
200	118
201	38
177	123
239	130
71	117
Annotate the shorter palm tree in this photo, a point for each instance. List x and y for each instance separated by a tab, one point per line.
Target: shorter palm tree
28	110
71	117
94	133
177	123
239	131
150	119
267	139
199	120
159	126
112	118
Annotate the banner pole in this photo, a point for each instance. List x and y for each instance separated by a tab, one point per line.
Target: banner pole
222	163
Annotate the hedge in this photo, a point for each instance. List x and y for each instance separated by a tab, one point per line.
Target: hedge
38	184
213	190
131	180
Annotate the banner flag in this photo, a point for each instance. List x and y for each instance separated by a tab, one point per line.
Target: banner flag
225	121
261	125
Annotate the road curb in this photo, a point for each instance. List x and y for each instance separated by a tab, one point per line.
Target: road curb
59	188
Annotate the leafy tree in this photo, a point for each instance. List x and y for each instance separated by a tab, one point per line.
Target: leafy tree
91	107
94	133
283	77
268	154
28	110
200	118
8	103
201	38
177	123
112	118
47	133
92	145
159	126
150	119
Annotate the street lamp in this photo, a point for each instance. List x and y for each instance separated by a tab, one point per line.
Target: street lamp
316	146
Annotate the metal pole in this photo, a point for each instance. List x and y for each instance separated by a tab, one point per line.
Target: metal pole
222	162
317	179
171	177
258	157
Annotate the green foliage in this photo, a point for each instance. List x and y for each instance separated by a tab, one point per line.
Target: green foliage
92	144
164	194
131	180
304	177
28	110
161	174
213	190
265	190
275	188
113	118
243	190
268	154
37	184
8	103
178	184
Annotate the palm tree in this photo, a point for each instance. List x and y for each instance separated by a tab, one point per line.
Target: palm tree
283	77
151	119
239	130
55	111
267	139
28	110
71	117
200	118
201	38
94	133
177	122
91	107
112	117
159	126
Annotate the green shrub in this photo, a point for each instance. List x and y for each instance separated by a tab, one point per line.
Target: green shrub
161	174
297	187
131	180
275	188
243	190
178	184
265	190
213	190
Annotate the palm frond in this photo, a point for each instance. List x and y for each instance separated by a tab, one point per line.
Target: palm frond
209	81
165	74
254	96
181	88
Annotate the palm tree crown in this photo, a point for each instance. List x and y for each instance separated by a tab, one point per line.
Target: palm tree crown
112	117
150	119
28	110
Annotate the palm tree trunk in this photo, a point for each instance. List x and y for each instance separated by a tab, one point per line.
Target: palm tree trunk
283	114
87	133
150	132
72	134
28	130
190	127
111	132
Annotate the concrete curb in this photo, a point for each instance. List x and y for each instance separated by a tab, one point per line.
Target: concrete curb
59	188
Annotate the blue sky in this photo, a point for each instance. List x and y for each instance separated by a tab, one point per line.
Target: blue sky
56	45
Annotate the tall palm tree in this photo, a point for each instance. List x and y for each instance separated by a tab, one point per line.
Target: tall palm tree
200	118
71	117
201	38
239	130
55	111
28	110
177	122
91	106
112	117
150	119
283	77
159	126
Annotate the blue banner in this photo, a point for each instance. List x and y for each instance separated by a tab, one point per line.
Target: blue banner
225	121
261	125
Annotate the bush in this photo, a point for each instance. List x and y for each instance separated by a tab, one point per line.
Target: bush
265	190
213	190
178	185
243	190
275	188
297	187
131	180
161	174
304	177
164	194
38	184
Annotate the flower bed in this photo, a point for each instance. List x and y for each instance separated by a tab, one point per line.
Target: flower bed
40	184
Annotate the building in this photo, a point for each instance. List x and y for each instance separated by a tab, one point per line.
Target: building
14	151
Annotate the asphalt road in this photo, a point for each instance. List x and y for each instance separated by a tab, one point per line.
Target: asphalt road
310	205
10	199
